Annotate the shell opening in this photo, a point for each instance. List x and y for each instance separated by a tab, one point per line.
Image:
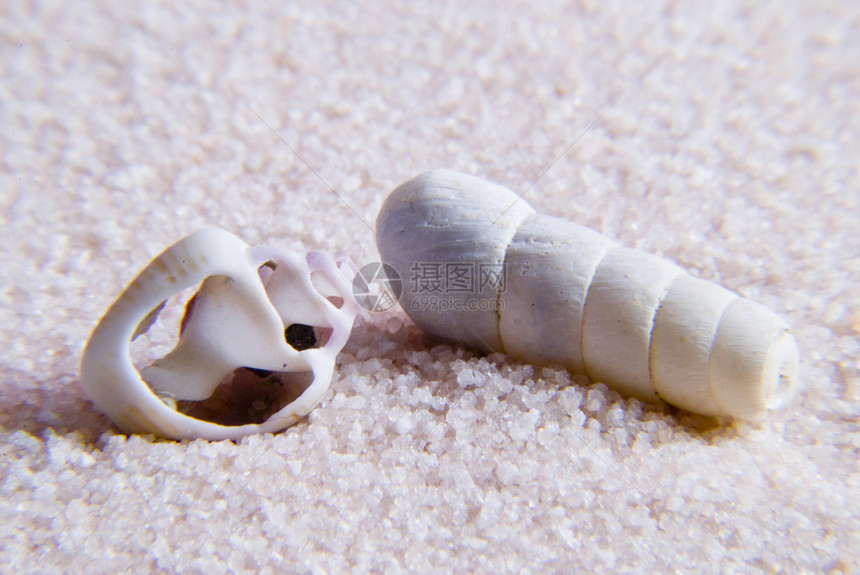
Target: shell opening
247	394
159	332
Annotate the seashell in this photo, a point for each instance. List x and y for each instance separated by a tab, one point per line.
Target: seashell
253	303
552	292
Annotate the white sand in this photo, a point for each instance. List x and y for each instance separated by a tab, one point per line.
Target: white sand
729	143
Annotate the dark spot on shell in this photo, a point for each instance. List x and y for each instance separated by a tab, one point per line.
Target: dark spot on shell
300	336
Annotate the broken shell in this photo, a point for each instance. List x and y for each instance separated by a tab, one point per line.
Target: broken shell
572	297
248	298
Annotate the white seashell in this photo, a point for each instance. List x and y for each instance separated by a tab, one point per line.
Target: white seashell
237	319
572	297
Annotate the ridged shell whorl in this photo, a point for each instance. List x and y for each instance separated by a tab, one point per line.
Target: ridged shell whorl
446	217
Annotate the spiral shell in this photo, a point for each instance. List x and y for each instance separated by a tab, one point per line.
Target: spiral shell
572	297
